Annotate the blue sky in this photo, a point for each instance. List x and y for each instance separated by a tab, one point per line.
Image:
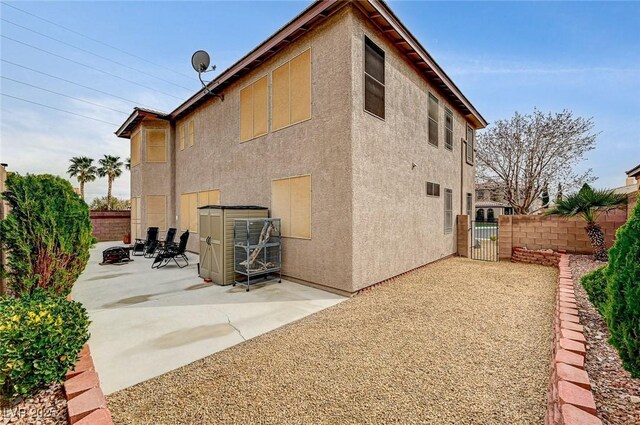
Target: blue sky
505	56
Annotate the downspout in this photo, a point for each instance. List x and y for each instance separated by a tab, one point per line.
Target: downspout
461	176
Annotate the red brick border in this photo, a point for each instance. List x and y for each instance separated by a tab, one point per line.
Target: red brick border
570	400
544	258
86	404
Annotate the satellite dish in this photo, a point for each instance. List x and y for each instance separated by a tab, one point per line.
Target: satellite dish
200	61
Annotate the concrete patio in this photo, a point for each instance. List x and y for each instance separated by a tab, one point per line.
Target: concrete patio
147	322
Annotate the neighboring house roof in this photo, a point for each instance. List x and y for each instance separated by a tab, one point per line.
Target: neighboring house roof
626	189
634	172
491	204
381	16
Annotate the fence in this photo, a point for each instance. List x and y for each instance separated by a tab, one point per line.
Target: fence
110	225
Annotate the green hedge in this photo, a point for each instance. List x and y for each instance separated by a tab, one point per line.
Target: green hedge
40	338
595	283
622	312
47	234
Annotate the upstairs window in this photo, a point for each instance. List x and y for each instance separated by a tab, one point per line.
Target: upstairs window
469	145
433	120
433	189
254	114
156	145
191	133
182	135
291	92
135	149
373	79
448	129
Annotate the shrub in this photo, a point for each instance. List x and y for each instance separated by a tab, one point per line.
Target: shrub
47	234
595	283
623	310
40	338
100	204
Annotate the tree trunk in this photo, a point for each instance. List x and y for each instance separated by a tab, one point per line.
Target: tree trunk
109	194
82	189
594	231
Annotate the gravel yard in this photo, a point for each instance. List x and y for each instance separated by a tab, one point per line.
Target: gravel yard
616	393
456	342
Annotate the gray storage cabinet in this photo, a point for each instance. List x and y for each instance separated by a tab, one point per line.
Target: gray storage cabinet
216	239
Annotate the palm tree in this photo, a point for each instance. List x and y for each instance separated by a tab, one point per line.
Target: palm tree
110	167
83	170
589	203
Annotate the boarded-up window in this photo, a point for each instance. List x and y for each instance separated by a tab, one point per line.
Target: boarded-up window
156	148
136	219
191	133
374	88
254	110
433	120
433	189
291	202
156	211
469	146
182	135
135	149
209	197
448	129
189	212
291	92
448	210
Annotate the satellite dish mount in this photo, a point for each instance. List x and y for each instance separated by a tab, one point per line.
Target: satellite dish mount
200	62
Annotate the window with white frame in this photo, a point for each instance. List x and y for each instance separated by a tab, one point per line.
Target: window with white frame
448	129
374	88
433	120
470	143
433	189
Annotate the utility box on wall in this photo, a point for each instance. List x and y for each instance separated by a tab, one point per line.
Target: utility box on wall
216	239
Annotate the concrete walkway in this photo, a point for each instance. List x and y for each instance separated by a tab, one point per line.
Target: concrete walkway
147	322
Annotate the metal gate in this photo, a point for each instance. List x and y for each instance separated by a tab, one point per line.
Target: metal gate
484	240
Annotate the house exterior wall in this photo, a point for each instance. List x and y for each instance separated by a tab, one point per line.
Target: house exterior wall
243	171
370	216
396	226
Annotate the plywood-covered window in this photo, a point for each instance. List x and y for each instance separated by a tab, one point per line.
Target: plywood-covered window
448	210
448	129
189	212
209	197
291	92
156	145
469	145
156	211
135	149
291	202
136	219
192	137
182	136
374	81
254	110
433	120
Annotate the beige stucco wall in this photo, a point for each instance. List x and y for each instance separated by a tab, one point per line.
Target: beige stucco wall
243	171
396	226
371	218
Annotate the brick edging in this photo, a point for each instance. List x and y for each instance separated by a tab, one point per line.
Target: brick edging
86	403
570	399
544	258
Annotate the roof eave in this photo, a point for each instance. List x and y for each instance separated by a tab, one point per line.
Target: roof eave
634	172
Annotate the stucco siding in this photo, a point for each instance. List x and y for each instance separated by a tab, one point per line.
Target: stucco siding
396	226
320	147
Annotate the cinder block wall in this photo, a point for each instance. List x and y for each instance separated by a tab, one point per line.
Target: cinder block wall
110	225
544	232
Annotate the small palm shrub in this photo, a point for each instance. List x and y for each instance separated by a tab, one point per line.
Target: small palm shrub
47	234
622	312
595	283
40	338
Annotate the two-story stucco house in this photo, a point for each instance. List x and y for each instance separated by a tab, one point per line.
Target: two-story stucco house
341	124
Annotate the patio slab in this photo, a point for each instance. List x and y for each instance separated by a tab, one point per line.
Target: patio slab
147	322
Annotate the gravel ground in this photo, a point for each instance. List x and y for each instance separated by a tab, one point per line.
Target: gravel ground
457	342
46	407
617	394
